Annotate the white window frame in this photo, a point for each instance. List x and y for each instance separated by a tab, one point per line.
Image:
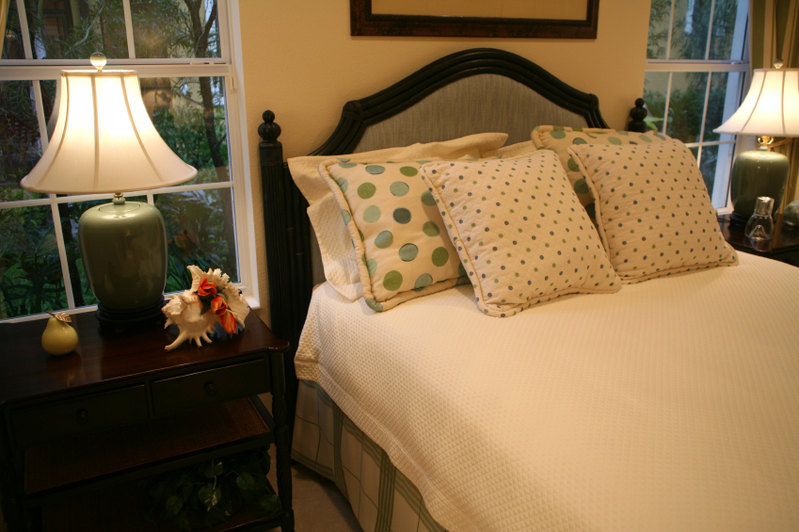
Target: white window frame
728	145
229	67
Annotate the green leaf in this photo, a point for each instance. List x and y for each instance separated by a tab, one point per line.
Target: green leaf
173	505
245	481
270	503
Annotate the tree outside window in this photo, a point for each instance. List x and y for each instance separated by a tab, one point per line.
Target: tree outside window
697	63
179	47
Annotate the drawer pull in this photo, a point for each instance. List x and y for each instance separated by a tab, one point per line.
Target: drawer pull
222	383
82	416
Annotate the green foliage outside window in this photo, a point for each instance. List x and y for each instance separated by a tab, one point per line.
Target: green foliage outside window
684	106
31	273
689	30
75	29
689	37
189	113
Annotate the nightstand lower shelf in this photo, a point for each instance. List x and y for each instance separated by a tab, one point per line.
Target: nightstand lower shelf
104	474
121	511
143	449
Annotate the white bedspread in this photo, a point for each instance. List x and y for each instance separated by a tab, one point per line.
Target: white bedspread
670	405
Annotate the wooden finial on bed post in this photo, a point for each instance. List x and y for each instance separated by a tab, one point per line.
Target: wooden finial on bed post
269	131
637	115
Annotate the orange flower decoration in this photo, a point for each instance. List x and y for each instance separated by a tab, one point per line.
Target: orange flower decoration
228	322
206	288
218	305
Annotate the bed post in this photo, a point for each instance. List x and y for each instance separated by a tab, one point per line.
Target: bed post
287	236
636	117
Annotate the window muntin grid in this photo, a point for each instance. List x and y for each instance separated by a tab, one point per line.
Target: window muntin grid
697	69
186	80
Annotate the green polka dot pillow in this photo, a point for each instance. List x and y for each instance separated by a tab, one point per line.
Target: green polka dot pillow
560	138
335	247
653	211
519	230
396	230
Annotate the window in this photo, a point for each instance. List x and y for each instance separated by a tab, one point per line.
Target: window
182	51
697	65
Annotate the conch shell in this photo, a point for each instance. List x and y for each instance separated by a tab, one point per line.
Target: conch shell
186	310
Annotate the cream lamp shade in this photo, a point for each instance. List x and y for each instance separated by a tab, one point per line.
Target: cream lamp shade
770	109
104	142
771	106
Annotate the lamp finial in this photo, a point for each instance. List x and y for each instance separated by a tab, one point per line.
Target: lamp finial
98	60
778	63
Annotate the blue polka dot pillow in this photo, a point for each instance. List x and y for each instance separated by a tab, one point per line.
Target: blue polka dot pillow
653	211
560	138
519	230
397	233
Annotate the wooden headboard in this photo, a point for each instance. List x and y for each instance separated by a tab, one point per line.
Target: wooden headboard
471	91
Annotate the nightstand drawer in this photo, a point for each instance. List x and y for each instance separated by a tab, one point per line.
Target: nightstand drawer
215	385
93	412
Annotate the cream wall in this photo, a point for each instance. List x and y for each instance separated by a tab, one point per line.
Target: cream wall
300	61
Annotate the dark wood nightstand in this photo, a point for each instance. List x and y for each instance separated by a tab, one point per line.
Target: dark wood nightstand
81	431
783	247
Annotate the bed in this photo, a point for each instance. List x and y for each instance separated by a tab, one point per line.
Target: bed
586	352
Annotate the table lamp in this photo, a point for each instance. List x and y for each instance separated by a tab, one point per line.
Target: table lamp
770	109
105	142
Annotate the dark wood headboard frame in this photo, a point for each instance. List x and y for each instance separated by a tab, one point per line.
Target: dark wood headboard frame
357	115
287	229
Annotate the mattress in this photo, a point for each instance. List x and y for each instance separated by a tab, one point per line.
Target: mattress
669	405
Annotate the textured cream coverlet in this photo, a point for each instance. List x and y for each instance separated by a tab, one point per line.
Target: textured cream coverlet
672	404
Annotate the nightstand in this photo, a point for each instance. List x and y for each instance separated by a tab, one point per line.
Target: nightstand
80	432
783	247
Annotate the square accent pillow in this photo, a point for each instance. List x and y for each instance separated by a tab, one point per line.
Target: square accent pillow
395	228
340	264
560	138
653	210
520	231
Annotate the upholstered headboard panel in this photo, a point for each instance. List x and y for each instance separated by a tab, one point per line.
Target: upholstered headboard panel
482	103
471	91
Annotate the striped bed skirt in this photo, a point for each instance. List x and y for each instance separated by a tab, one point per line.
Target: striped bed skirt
329	443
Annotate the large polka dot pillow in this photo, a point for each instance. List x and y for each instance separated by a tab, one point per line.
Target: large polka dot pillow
560	138
653	211
395	228
340	265
519	230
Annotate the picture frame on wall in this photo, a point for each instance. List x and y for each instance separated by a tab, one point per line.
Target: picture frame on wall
565	19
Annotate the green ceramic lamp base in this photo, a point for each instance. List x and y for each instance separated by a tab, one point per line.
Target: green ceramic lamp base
123	245
756	173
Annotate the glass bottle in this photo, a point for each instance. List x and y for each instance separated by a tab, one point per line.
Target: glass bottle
760	227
